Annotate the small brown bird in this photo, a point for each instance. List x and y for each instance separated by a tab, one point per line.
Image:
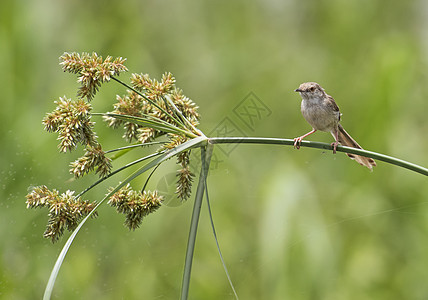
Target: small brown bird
322	113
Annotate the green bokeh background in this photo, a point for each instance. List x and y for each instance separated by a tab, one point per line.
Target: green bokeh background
292	224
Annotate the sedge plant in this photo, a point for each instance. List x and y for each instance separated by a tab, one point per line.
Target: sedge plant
150	113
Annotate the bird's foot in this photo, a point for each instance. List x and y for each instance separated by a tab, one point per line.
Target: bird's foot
297	142
334	145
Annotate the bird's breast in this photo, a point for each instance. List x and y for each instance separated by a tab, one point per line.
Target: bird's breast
319	116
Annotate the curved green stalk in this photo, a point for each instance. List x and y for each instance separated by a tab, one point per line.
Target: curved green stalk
217	243
290	142
206	154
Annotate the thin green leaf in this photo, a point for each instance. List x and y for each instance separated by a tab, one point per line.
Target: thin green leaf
215	237
205	159
199	141
145	121
149	121
123	150
139	145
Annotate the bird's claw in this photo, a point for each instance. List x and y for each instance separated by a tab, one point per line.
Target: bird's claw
297	142
334	145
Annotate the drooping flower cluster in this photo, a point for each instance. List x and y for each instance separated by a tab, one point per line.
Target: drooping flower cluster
92	70
135	204
184	174
149	109
71	119
94	158
153	89
65	210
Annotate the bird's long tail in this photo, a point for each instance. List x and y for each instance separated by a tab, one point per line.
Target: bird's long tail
346	140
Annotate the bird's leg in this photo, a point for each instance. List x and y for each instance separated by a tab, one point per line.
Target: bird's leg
334	144
298	140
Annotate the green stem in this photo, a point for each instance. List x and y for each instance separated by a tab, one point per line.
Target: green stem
140	145
150	122
206	159
217	242
290	142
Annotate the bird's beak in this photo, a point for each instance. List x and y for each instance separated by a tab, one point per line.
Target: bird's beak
298	90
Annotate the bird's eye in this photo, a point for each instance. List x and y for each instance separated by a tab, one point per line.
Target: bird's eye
312	89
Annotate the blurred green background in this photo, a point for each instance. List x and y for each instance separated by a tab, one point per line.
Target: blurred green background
292	224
